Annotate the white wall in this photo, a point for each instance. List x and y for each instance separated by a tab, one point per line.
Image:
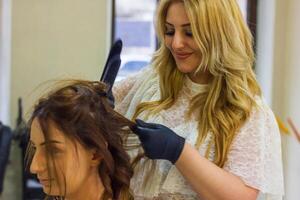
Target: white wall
265	46
287	76
56	39
278	69
5	62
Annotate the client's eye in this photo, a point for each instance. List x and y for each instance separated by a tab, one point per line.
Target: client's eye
57	150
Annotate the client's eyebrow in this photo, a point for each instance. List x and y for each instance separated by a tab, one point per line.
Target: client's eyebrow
51	142
48	142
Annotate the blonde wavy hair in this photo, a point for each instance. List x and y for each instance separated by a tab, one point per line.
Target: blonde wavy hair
226	46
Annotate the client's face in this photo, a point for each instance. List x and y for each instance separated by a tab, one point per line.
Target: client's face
70	168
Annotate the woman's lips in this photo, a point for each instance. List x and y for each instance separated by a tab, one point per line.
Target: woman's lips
44	182
182	56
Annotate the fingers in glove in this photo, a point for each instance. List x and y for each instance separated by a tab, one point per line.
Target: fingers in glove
141	132
141	123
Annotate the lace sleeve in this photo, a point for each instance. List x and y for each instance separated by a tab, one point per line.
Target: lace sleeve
121	88
125	90
255	155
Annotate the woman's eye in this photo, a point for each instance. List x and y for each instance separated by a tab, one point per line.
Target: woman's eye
169	32
57	151
189	33
33	148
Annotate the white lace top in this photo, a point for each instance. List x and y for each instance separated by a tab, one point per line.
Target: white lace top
255	155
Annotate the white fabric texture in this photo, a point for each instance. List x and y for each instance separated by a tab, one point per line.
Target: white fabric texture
255	154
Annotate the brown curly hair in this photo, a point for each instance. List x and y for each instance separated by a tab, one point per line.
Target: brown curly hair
80	109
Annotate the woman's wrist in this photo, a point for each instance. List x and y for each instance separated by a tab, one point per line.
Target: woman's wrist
181	158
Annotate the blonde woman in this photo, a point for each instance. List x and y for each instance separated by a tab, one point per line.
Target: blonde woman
203	125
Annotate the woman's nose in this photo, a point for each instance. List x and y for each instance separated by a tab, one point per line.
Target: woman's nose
178	41
38	163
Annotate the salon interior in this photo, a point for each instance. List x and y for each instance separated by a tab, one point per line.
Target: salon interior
46	40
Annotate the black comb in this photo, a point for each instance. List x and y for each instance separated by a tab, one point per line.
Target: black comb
112	64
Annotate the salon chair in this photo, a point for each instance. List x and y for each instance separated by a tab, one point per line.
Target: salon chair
5	143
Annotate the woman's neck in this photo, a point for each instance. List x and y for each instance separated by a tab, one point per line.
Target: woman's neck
92	189
200	77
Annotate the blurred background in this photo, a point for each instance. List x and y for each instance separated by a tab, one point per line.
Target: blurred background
45	40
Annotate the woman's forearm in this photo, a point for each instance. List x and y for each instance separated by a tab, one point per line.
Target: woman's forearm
210	181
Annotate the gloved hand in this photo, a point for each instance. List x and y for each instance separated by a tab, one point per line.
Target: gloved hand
158	141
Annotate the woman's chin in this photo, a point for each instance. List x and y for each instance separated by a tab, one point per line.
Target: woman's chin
184	69
50	191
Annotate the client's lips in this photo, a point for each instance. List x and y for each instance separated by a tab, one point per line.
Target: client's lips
45	182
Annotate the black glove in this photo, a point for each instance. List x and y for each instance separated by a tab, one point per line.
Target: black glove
158	141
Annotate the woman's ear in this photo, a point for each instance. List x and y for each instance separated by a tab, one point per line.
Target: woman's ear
96	157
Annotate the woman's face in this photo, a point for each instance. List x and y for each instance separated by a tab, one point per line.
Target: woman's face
179	39
74	164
